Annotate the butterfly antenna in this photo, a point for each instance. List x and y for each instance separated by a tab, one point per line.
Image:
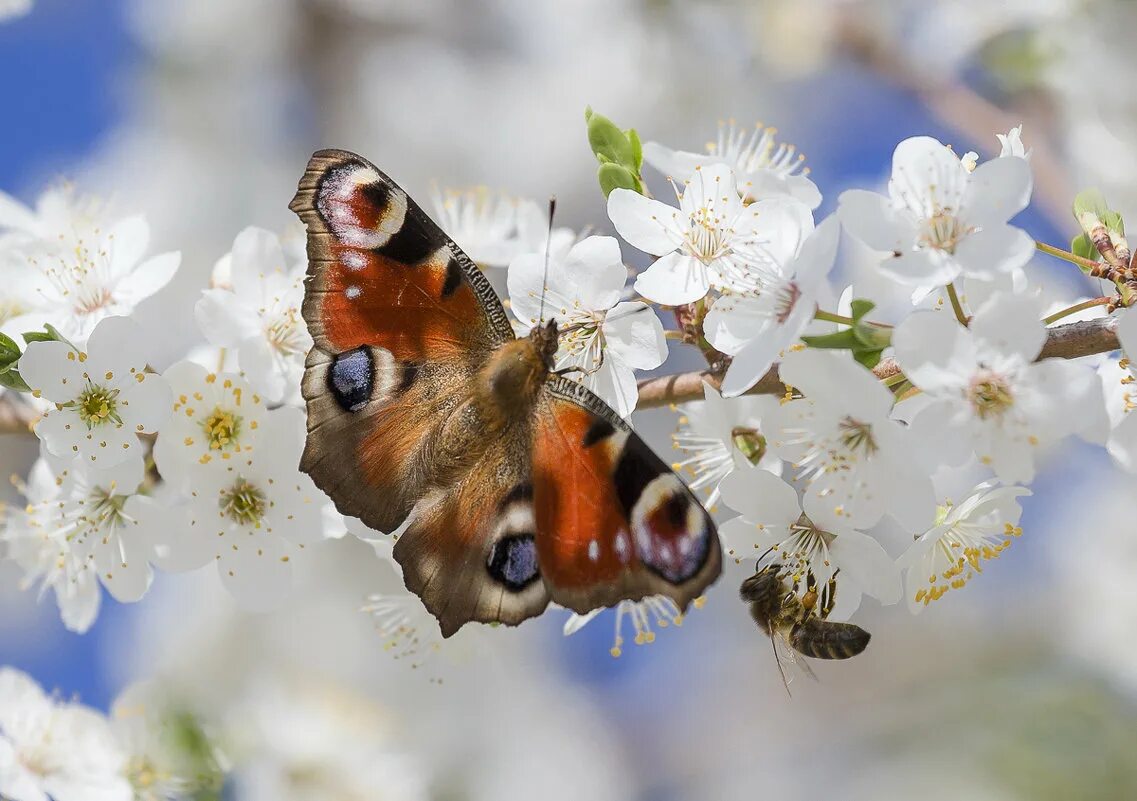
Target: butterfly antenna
548	245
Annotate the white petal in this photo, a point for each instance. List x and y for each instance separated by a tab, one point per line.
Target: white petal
126	580
818	252
926	267
753	361
53	369
147	403
257	572
832	378
222	319
127	241
1009	324
935	352
117	346
78	601
595	272
999	189
615	383
994	250
634	335
1126	332
1123	443
255	253
742	541
927	177
677	164
147	278
872	219
647	224
867	564
673	280
524	284
761	497
177	546
263	369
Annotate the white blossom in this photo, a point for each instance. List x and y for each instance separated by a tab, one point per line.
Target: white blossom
990	396
251	514
647	616
259	314
951	552
720	435
76	270
54	749
758	326
216	417
103	397
765	167
775	528
495	229
1011	143
941	221
83	521
605	338
711	240
840	440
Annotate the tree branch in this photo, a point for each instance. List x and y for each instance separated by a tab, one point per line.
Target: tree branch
1069	341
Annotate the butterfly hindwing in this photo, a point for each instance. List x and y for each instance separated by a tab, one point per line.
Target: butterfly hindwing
470	552
614	522
401	320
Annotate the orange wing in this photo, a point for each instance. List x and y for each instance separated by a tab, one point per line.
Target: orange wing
613	521
401	320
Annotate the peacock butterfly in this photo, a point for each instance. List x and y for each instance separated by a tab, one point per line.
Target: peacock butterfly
525	486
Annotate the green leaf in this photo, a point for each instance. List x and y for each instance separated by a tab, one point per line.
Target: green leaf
637	150
608	142
869	358
1090	201
11	379
616	176
841	340
1113	222
9	350
1083	246
49	334
861	307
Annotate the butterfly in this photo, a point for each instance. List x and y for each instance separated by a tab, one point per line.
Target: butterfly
525	487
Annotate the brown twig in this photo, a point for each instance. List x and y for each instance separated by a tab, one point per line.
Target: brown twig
1069	341
16	417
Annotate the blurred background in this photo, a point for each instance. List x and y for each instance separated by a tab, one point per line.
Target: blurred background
202	115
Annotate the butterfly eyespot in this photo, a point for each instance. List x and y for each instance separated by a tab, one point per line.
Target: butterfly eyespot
351	377
513	561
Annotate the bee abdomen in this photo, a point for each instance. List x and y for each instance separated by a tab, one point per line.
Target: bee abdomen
821	639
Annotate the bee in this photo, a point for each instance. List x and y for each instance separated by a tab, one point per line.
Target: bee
799	620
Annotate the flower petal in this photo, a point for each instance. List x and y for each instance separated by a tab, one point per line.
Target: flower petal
53	369
993	251
935	352
761	497
594	272
926	267
222	319
999	189
644	223
147	278
867	564
872	219
126	242
1010	325
524	283
634	335
673	280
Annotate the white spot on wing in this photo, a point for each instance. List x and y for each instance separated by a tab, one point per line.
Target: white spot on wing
593	551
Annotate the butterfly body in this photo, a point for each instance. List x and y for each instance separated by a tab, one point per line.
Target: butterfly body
524	486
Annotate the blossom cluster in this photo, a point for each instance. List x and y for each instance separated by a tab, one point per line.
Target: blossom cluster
934	421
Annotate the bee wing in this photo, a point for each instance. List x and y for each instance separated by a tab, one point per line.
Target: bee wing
786	657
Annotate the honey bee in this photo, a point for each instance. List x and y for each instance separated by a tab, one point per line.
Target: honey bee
799	620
